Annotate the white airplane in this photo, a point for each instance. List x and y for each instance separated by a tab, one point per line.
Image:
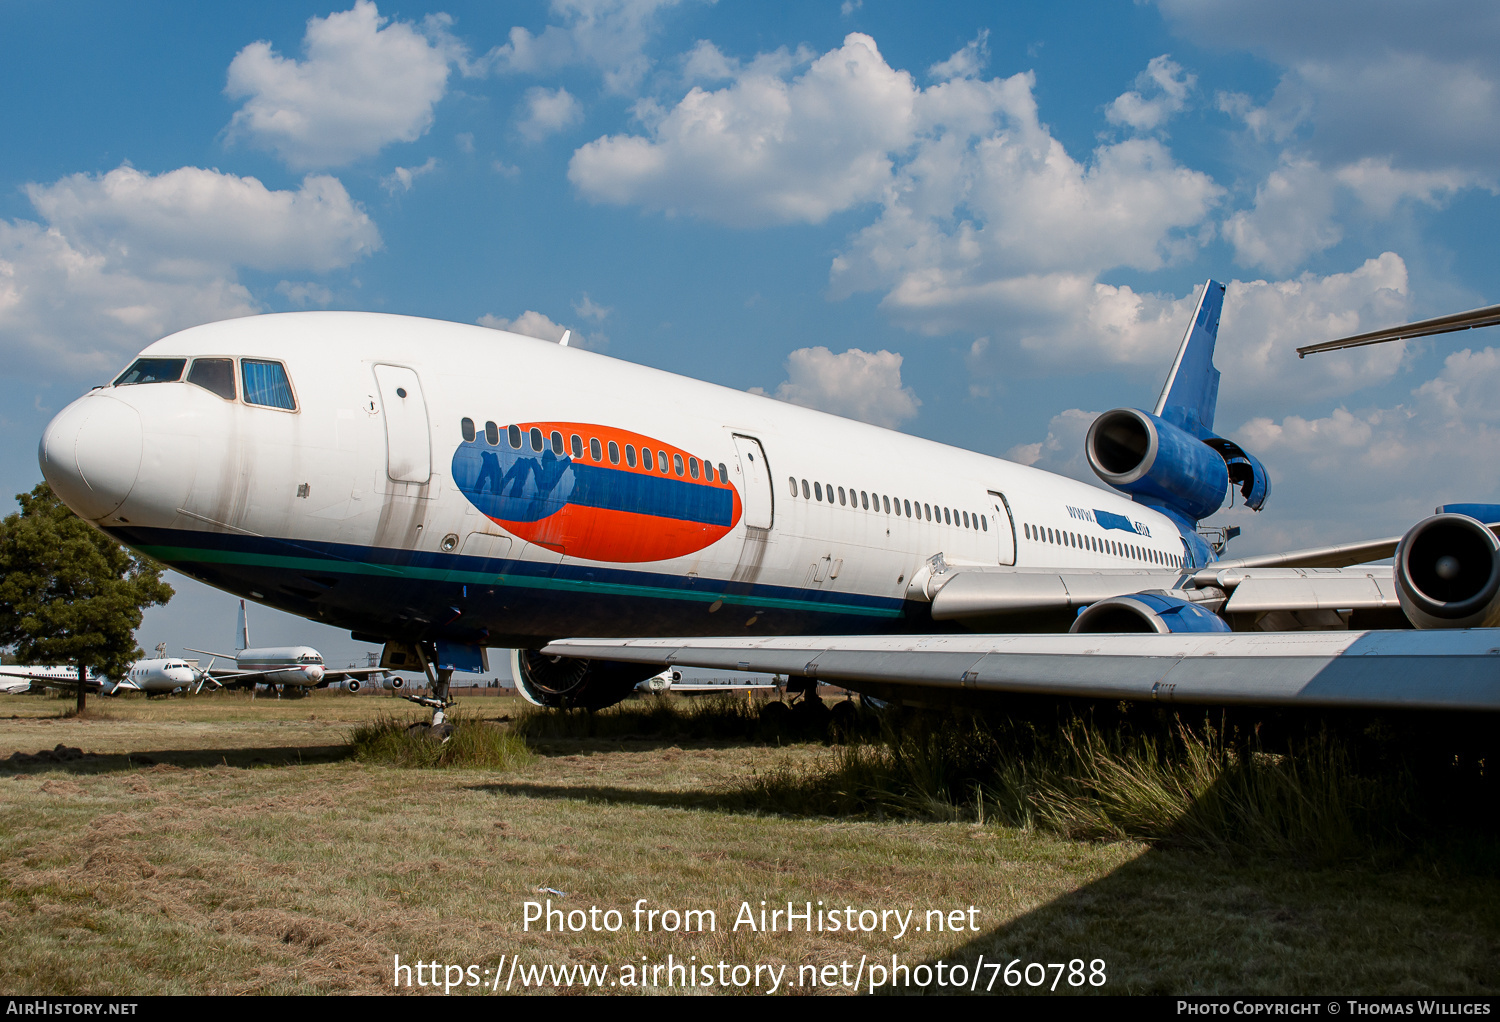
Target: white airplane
442	488
281	667
156	676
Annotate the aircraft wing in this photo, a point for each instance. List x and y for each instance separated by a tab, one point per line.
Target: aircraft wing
1436	669
1231	588
344	673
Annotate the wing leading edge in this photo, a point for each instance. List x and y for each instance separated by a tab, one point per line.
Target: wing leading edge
1449	670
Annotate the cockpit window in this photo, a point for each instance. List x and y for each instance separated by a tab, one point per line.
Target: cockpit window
266	384
309	658
152	370
215	375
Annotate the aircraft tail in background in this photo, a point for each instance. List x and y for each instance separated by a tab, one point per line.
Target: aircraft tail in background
1191	392
242	631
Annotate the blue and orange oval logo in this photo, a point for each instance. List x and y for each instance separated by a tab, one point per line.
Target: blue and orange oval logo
593	506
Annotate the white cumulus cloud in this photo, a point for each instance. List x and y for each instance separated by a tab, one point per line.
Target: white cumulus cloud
127	257
1161	91
864	385
192	221
363	85
546	112
609	35
534	324
764	149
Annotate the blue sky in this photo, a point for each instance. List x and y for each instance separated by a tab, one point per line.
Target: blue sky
981	224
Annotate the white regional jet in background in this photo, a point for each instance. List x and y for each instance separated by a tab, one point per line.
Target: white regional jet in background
280	667
443	488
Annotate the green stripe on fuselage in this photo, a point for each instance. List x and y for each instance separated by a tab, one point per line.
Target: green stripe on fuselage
175	556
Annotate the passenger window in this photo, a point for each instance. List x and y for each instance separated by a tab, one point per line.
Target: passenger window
864	499
818	490
661	461
985	522
577	442
266	384
216	375
614	453
693	467
557	444
841	496
793	481
466	426
928	509
152	370
966	519
947	518
630	455
708	473
806	491
594	449
677	464
536	439
645	458
908	507
513	434
723	473
492	434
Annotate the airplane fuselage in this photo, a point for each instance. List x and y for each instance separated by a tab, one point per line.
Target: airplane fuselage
421	480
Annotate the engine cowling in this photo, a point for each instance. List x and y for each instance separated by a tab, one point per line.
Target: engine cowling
1448	573
354	685
570	683
1154	611
1146	456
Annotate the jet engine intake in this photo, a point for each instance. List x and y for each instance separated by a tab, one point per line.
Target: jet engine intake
570	683
1448	573
1146	456
1153	611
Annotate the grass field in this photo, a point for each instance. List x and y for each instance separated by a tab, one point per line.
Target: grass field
220	845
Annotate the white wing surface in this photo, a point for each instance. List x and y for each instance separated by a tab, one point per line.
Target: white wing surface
1441	669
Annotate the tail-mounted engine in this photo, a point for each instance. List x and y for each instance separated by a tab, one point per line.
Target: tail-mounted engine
1148	457
1448	573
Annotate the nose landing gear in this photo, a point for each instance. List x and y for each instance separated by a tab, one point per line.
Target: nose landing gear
438	700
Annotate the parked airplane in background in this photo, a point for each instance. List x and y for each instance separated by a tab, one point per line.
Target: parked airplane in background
156	676
672	681
443	488
280	667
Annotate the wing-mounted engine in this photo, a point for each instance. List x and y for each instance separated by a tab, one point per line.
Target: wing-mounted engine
1155	611
1159	463
1448	573
562	683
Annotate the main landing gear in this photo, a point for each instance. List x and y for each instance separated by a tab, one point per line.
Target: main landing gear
438	699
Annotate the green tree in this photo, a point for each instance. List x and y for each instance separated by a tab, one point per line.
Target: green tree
69	594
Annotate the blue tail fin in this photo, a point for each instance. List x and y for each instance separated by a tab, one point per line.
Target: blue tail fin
1192	388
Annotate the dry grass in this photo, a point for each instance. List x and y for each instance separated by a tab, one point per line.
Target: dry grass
254	855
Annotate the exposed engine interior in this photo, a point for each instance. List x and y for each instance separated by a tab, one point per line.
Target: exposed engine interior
565	683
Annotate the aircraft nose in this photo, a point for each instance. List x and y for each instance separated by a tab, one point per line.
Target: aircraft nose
315	674
91	454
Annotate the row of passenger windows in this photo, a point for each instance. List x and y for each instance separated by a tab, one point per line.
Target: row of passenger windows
263	381
891	505
1042	534
661	461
